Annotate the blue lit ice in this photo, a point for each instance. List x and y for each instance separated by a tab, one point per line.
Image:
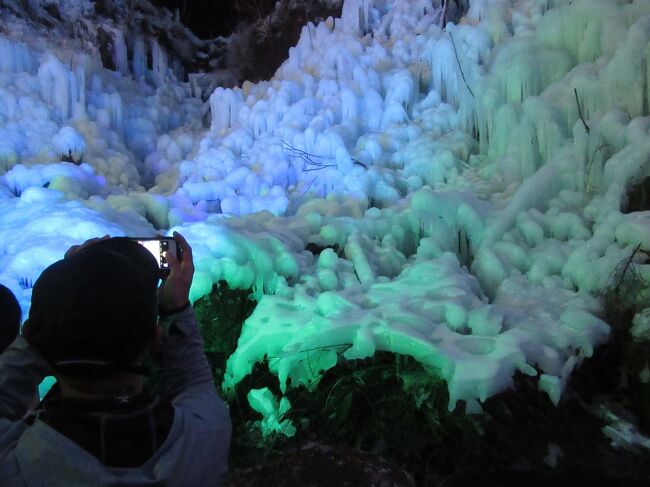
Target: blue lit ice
497	215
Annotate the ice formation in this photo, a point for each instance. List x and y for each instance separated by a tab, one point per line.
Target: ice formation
466	183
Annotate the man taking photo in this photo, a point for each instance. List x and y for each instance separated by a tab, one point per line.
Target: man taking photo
95	318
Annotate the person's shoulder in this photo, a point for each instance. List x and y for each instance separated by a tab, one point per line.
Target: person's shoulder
10	433
10	473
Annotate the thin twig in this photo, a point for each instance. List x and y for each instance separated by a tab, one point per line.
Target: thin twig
327	400
308	158
443	14
309	185
628	263
598	149
326	347
575	92
359	163
459	66
302	152
318	168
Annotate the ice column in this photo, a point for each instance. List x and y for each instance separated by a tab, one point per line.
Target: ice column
117	118
53	79
159	61
77	90
120	57
401	89
355	253
139	58
224	104
355	15
15	57
81	86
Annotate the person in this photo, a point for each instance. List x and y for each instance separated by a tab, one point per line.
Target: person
10	317
95	317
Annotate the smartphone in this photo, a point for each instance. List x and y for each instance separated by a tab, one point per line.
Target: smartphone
159	248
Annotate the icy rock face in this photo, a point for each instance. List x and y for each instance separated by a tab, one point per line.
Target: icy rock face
511	103
54	111
456	193
448	327
114	32
355	15
54	83
302	129
16	57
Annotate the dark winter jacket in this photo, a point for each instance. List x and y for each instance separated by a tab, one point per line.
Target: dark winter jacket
186	431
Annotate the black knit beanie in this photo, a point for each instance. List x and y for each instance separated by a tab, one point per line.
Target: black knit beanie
96	307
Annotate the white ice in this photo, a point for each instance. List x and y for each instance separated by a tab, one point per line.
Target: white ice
467	183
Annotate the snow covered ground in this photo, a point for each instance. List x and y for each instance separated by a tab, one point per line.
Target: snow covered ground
466	183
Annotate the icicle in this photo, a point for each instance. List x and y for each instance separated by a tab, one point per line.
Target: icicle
258	123
114	104
159	61
7	58
593	149
344	70
96	85
54	79
646	107
74	89
549	133
373	109
15	57
81	86
451	70
587	29
478	10
355	253
225	104
120	58
355	15
394	114
401	88
177	69
500	130
624	82
139	59
349	105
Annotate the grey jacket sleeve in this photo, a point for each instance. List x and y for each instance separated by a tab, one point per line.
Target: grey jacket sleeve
186	372
21	371
189	382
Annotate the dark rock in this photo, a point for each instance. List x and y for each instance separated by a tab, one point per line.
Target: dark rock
316	464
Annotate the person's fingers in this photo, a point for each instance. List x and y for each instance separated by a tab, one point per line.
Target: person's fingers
185	246
172	260
175	289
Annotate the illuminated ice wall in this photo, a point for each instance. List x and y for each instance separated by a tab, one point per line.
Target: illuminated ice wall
465	182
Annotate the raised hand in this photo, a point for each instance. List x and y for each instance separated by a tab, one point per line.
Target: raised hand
175	290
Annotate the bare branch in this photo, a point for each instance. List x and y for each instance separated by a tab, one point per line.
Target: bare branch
318	168
308	158
575	92
443	14
628	263
459	66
